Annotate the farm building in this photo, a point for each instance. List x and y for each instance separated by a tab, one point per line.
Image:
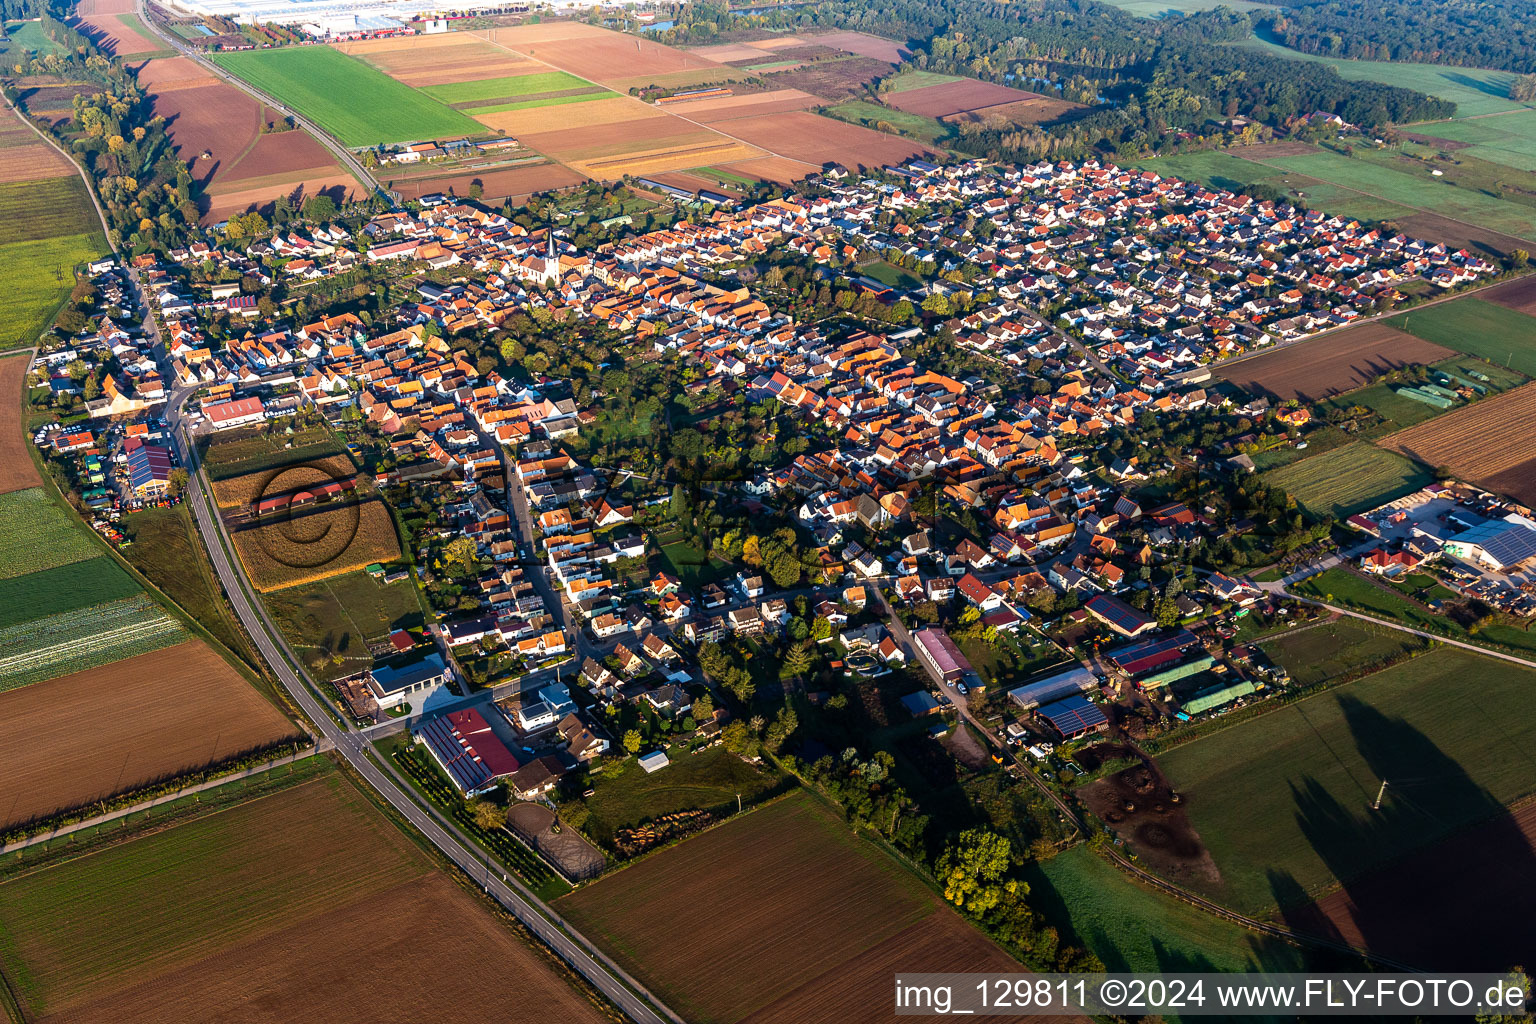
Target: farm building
1174	673
1150	655
1118	615
654	761
468	751
1216	696
1074	716
1073	681
940	654
1497	544
393	686
920	703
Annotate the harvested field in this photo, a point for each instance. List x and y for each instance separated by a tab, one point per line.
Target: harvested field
1273	149
573	855
598	141
863	44
727	52
1489	443
498	183
30	162
599	54
1355	478
833	80
804	915
1458	234
252	487
437	59
692	153
1034	111
623	111
771	168
17	471
121	35
312	544
955	98
164	74
723	108
86	736
1518	295
819	140
1337	362
1477	912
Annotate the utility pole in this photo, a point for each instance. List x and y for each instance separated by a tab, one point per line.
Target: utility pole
1379	794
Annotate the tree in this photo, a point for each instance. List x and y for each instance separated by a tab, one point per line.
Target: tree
704	708
319	208
1518	258
488	816
739	740
797	661
632	741
973	871
784	568
92	389
177	483
937	304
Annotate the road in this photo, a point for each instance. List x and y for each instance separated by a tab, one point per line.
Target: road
343	155
572	947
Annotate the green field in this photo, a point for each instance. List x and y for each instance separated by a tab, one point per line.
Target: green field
1396	410
1354	478
164	550
1502	336
727	176
892	275
38	276
1281	800
1231	172
1132	928
498	88
865	113
331	622
1318	653
83	638
252	451
35	533
349	99
1508	139
911	78
29	35
32	210
63	587
704	781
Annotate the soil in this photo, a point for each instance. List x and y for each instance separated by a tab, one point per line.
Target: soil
1331	365
16	469
954	98
1489	443
817	140
573	855
1142	808
834	81
1459	235
1519	295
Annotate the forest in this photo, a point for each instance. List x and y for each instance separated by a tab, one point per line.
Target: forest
1470	33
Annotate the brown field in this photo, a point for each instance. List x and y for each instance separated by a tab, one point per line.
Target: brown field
1518	295
723	108
817	140
598	141
1449	145
1035	111
117	37
1478	912
861	43
671	158
1330	365
250	487
802	915
727	52
500	183
628	115
832	80
695	180
772	168
17	472
600	55
86	736
91	8
305	904
955	98
317	543
458	58
1266	150
1458	235
32	162
1489	443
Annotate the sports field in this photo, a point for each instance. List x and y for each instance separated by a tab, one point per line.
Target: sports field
1498	334
327	86
1282	800
303	904
1351	479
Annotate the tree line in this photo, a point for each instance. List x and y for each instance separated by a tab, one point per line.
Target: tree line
1471	33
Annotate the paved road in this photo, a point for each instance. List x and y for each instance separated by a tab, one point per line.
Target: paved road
572	947
340	152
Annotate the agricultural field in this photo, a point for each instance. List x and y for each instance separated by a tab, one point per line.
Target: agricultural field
317	543
1295	821
17	471
168	551
29	36
171	924
217	129
705	781
38	275
513	182
529	88
331	622
52	207
82	638
807	921
249	488
36	533
317	81
1332	364
945	97
258	450
1315	654
1508	139
1350	479
1477	326
159	714
1489	443
1231	170
612	59
1518	295
115	28
61	588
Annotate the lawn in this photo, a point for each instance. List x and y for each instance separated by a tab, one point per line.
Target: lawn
1350	479
1382	399
498	88
29	35
892	275
63	588
1282	800
38	275
163	550
331	622
727	176
691	565
1318	653
354	102
35	533
1505	337
703	781
1131	928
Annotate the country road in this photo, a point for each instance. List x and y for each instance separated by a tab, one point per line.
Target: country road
605	976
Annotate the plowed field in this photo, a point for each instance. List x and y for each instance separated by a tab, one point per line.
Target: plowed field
17	472
1332	364
1489	443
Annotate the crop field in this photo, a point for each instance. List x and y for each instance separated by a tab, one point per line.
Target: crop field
1351	479
1318	653
805	136
91	734
315	544
437	59
807	921
1508	139
1518	295
1282	800
331	622
956	97
75	585
318	80
45	209
249	488
489	90
257	451
17	471
1132	928
38	275
725	108
35	533
1489	443
1332	364
83	638
169	924
1479	327
611	58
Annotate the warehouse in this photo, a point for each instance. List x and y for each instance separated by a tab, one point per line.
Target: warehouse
462	743
940	654
1498	544
149	468
1073	681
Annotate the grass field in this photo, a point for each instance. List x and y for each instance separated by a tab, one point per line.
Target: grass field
325	85
1318	653
1508	139
496	88
1281	800
868	114
911	78
1350	479
1504	337
164	550
705	781
1224	170
547	101
336	618
1132	928
31	210
35	533
62	588
38	275
29	35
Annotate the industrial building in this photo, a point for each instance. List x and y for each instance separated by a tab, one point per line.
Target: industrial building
339	17
1497	544
1073	681
462	743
